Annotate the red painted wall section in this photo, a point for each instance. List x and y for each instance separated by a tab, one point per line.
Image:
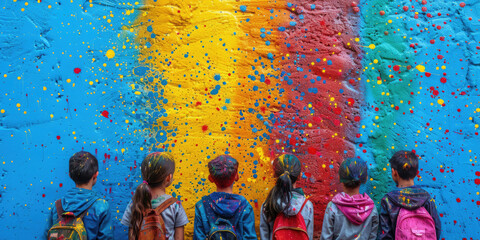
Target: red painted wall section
320	76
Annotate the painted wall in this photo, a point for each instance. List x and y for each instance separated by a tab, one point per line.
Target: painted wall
322	79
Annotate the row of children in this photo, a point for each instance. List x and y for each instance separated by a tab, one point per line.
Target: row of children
406	212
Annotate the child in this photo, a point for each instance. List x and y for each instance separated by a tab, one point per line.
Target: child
408	197
351	215
212	210
157	173
83	170
285	201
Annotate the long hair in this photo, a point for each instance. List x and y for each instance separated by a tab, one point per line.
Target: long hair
287	169
155	169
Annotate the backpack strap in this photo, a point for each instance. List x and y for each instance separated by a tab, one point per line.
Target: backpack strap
60	211
58	205
165	205
304	203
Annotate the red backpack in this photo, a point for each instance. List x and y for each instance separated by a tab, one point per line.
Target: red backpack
153	226
290	227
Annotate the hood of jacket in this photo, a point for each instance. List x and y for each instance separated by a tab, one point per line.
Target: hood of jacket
356	208
77	200
409	198
298	198
226	205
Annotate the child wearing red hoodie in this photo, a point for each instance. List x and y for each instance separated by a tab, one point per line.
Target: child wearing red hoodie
351	215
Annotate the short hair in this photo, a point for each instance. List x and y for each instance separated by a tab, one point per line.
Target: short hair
82	166
405	163
353	172
223	170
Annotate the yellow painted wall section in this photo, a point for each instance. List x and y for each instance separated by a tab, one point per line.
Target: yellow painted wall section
205	47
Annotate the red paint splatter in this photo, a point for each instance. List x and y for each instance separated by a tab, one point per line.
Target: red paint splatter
58	137
356	118
351	101
477	181
77	70
462	4
60	185
443	80
105	113
382	13
43	195
396	68
458	200
204	128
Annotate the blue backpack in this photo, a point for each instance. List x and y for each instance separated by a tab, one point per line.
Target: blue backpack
220	228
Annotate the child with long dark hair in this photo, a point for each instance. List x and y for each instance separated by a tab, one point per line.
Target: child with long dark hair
157	173
286	205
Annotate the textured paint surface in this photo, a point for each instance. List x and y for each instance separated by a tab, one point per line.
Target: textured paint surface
324	80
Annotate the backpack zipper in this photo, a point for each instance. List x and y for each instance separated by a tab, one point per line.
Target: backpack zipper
294	228
61	227
209	237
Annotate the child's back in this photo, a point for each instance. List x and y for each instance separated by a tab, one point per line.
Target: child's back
153	214
351	215
173	216
297	201
410	198
222	210
83	169
419	209
286	213
232	207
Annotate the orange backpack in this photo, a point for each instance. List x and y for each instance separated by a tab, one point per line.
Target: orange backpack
153	226
290	227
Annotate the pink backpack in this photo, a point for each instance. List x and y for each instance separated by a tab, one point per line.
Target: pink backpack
415	224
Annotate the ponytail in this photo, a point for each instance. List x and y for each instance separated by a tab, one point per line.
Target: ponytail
141	201
287	168
155	169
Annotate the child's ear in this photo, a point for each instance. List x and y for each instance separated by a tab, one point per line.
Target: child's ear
95	176
210	179
169	178
237	177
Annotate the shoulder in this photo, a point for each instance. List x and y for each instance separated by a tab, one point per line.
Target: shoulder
331	207
101	205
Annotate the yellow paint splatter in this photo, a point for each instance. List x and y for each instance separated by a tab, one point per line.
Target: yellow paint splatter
110	54
420	68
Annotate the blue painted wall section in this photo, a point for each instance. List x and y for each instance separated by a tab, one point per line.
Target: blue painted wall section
61	94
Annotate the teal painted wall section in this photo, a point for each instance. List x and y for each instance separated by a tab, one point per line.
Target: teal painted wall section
421	93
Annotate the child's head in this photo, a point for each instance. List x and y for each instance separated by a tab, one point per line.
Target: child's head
404	165
223	171
83	168
157	172
353	172
157	169
287	169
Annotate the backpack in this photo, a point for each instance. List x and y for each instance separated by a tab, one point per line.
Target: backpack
290	227
221	228
69	227
415	224
153	226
